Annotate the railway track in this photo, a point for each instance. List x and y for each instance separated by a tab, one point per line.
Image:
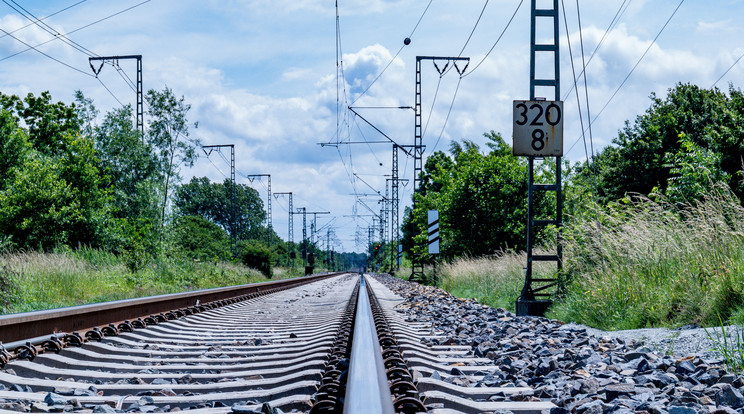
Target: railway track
325	344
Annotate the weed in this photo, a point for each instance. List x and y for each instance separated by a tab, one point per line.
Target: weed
732	353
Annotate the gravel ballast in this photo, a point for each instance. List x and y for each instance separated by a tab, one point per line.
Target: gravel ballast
579	369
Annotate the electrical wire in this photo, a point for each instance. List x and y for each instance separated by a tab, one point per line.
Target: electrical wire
620	12
47	28
575	81
448	115
727	71
497	40
215	166
395	56
364	138
586	84
29	47
46	17
109	91
474	27
431	109
633	69
47	55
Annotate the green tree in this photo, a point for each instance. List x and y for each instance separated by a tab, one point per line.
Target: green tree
169	136
213	201
199	238
52	201
46	122
258	257
481	198
639	161
693	170
131	164
14	146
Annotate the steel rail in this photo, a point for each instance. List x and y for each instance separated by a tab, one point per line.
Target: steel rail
367	389
40	324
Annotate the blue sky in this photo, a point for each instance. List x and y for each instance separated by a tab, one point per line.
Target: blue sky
261	74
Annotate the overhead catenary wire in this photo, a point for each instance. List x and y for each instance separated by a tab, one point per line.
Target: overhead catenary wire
483	10
449	112
615	19
47	28
653	42
727	71
46	17
575	82
59	36
395	56
497	40
29	47
586	83
47	55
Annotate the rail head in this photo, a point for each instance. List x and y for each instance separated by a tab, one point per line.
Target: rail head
367	388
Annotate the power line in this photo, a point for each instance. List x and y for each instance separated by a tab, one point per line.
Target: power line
633	69
47	55
109	91
396	54
586	85
615	19
29	47
474	27
46	17
47	28
448	114
727	71
498	39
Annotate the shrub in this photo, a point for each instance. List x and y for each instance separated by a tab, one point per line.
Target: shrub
258	257
199	238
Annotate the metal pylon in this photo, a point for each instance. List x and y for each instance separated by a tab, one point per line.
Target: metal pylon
290	228
394	223
417	268
269	225
233	192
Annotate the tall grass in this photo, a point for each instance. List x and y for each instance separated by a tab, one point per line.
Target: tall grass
35	281
496	281
650	263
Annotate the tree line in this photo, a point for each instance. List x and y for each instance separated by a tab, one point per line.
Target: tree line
71	178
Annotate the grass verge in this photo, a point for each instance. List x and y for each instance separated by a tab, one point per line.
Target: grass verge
496	281
35	281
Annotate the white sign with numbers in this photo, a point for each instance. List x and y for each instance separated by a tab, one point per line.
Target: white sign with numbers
538	128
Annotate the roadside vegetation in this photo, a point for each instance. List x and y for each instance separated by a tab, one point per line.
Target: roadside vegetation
94	209
35	280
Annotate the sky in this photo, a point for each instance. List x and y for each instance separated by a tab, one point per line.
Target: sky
269	78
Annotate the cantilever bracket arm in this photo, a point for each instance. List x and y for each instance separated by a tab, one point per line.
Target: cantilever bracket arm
378	130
